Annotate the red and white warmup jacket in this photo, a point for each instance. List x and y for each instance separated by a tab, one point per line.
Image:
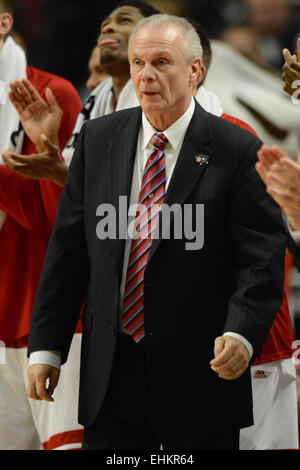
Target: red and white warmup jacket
31	210
281	336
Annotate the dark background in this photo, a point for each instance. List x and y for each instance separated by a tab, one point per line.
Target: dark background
60	34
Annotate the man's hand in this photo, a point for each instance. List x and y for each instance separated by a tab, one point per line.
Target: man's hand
42	380
36	115
231	358
45	165
291	69
281	176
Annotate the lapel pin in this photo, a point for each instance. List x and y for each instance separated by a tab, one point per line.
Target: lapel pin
202	159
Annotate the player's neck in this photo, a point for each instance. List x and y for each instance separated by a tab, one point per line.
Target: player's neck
119	83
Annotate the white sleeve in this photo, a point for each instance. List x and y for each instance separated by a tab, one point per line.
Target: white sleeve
51	358
294	234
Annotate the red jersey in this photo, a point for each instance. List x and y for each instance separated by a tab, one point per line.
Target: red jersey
31	209
281	336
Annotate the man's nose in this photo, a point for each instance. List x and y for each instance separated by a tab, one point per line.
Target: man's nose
92	82
110	27
148	73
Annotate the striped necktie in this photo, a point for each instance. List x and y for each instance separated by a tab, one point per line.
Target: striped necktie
151	197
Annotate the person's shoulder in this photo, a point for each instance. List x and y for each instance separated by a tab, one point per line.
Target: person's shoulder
232	132
238	122
42	79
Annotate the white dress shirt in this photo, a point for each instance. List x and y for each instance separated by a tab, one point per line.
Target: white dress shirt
175	135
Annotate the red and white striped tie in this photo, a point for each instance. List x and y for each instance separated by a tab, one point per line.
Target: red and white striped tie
151	197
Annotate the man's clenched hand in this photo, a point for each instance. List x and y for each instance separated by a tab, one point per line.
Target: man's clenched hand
42	380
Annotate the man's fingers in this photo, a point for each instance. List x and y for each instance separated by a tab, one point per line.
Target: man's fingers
222	352
41	389
24	92
231	374
298	49
234	353
17	95
42	380
52	102
290	60
288	56
18	106
267	156
219	345
31	90
31	391
286	174
53	380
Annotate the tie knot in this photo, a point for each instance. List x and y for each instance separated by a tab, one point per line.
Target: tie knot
159	141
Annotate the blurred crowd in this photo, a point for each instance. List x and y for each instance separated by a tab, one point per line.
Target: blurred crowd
258	28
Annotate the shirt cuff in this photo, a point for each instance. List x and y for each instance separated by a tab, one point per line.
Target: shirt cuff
242	339
50	358
294	234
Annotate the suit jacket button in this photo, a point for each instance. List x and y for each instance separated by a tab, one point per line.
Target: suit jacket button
113	330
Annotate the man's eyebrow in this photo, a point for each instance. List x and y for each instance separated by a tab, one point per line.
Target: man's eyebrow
119	14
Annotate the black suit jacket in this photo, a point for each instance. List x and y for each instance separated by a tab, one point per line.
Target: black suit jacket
234	283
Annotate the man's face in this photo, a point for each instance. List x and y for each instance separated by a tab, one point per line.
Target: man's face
115	32
97	74
162	77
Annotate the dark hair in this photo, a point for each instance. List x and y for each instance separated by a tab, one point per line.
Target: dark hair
144	8
206	46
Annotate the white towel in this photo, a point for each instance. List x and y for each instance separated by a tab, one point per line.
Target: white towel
12	67
209	101
100	102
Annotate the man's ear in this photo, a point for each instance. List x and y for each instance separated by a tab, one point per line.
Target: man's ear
6	24
198	72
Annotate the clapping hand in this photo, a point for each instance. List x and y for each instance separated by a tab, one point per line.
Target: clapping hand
45	165
36	115
281	176
291	70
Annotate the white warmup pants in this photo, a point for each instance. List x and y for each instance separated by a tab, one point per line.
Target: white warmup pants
27	424
274	406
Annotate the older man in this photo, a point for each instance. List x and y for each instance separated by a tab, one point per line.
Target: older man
153	321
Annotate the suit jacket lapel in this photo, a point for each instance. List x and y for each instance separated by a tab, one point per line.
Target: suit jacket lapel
187	171
121	164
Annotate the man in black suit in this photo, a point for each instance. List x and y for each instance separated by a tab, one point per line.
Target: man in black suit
170	325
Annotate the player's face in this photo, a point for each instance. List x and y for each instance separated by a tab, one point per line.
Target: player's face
115	32
97	74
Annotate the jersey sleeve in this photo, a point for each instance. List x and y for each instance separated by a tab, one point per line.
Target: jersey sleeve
28	201
20	199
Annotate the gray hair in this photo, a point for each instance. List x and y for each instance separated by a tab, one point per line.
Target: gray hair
192	43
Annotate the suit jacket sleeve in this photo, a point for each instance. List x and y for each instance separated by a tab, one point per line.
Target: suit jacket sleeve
258	241
65	274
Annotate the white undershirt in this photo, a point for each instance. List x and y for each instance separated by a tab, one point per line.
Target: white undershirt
175	135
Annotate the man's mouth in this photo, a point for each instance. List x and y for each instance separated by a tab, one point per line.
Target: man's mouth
107	42
150	93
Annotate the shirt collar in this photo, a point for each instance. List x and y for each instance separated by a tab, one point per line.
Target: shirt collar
174	133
